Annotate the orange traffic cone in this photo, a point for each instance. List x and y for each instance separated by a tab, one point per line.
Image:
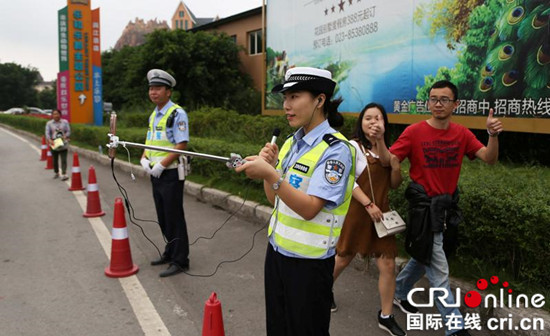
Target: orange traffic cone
212	324
44	149
49	160
121	256
93	206
76	179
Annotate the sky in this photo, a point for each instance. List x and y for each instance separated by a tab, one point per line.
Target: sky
28	28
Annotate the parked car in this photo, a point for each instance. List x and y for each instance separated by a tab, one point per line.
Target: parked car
15	110
35	110
48	111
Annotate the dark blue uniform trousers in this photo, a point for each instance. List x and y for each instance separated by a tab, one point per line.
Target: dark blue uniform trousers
298	295
168	196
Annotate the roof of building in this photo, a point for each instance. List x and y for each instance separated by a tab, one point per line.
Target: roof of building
197	21
228	19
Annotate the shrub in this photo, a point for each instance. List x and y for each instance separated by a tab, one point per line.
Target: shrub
506	208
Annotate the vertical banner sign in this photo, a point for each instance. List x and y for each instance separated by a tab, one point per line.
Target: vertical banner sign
80	61
63	75
96	69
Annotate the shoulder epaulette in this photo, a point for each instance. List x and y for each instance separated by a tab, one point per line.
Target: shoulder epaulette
331	139
171	117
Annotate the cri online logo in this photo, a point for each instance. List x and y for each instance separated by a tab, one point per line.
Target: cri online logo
473	298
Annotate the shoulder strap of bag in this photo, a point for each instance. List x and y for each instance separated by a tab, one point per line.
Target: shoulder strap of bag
368	171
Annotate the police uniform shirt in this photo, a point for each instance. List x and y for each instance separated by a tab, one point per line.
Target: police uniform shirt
319	186
179	132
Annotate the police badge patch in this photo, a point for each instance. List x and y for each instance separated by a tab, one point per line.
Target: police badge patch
334	170
182	126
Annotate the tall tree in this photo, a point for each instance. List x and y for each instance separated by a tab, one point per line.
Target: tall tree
47	98
17	85
205	65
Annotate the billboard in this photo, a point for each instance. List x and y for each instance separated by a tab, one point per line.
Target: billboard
496	52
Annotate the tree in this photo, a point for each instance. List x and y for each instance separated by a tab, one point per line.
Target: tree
17	86
47	98
124	83
205	65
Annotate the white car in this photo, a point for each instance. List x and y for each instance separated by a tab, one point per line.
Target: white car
35	110
15	110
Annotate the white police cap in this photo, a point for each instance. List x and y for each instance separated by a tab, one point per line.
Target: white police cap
306	78
160	77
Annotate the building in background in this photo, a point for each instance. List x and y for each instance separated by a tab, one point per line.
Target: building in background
184	18
246	30
134	32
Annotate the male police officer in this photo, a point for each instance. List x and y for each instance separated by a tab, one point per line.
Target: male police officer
168	127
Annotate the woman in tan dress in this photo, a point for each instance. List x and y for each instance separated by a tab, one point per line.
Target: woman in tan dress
358	233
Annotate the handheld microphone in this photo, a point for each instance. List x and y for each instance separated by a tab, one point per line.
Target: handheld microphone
276	133
112	130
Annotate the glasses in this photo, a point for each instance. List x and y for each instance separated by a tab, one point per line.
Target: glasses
443	100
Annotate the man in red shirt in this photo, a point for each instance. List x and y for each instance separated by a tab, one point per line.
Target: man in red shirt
435	149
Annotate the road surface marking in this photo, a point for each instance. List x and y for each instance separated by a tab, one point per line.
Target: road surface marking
146	314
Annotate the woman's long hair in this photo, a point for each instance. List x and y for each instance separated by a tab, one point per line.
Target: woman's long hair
330	109
360	135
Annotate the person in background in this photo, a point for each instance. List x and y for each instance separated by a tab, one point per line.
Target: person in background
370	201
309	182
435	149
168	127
58	132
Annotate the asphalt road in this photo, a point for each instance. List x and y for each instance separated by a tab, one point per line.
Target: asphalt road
52	278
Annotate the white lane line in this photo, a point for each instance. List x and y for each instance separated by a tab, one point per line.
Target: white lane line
22	139
146	314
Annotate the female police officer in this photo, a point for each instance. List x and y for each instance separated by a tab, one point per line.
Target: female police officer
309	182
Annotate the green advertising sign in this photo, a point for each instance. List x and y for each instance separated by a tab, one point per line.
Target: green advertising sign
63	29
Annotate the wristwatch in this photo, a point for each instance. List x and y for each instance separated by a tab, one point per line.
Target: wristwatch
277	185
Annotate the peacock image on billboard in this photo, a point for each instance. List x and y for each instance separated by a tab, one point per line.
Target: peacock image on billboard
496	51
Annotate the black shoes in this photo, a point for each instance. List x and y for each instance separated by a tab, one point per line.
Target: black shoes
161	261
173	269
333	306
389	325
405	306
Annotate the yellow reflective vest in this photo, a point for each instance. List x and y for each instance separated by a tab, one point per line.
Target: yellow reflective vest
157	137
309	238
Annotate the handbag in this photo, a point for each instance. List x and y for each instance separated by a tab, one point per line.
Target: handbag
58	144
391	222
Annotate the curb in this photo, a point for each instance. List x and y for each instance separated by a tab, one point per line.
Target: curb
249	209
260	214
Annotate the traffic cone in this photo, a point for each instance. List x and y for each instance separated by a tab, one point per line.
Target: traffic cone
76	179
121	256
93	206
212	324
44	148
49	160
